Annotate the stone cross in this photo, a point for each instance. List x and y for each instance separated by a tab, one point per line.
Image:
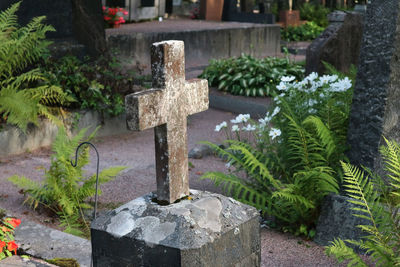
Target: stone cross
376	109
165	108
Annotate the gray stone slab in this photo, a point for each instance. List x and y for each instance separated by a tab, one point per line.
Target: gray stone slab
17	261
375	109
47	243
339	45
238	106
337	221
203	40
206	230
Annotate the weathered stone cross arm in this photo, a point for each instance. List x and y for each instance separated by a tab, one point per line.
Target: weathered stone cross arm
165	108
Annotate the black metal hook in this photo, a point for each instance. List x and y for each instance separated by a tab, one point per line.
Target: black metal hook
97	172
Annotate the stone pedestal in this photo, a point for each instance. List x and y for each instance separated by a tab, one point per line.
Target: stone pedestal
204	230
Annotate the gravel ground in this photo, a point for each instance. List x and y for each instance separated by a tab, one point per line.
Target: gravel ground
136	151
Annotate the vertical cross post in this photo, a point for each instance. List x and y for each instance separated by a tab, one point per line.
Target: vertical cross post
165	108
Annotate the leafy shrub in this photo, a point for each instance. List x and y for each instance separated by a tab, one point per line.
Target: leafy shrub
248	76
65	188
305	32
292	160
93	84
378	201
7	243
316	13
22	96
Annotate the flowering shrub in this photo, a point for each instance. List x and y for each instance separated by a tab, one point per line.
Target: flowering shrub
114	16
195	13
291	156
7	243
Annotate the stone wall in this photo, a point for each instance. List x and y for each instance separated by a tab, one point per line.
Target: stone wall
200	45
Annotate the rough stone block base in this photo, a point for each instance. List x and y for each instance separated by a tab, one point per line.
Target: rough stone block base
337	221
206	230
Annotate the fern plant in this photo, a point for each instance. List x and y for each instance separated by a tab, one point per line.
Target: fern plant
65	188
22	97
291	162
378	201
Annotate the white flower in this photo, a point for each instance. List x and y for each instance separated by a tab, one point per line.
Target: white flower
312	102
341	85
274	133
282	86
235	128
321	95
328	79
241	118
264	121
220	126
312	76
287	78
276	111
249	128
312	111
333	78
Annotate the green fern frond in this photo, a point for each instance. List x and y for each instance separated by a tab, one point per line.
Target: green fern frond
323	133
26	45
293	197
343	253
8	19
24	183
256	168
234	186
17	107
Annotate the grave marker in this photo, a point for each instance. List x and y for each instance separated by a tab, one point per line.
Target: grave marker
204	230
375	111
165	109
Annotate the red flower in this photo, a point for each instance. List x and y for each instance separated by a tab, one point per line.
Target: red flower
14	222
11	246
2	245
104	8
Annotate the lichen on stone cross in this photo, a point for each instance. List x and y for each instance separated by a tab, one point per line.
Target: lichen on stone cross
165	108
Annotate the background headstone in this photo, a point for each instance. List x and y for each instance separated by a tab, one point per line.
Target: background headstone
75	21
231	13
339	44
376	110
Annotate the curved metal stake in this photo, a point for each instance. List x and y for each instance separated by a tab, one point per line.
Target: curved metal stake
97	179
97	172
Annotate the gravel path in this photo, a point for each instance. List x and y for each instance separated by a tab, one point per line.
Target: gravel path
136	150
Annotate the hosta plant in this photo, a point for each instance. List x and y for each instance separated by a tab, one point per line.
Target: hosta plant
290	157
305	32
66	189
377	200
7	243
249	76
